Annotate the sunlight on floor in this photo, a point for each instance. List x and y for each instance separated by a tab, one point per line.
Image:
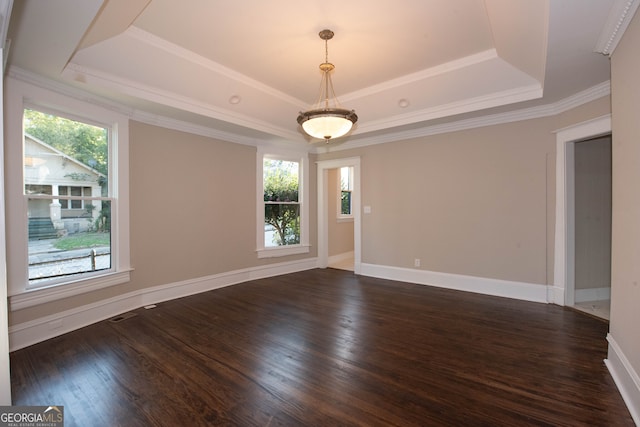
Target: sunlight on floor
343	264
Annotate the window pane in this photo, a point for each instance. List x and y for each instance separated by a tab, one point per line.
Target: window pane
59	151
280	181
37	189
80	247
345	178
65	158
281	224
345	208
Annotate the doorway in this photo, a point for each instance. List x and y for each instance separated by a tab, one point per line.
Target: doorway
563	290
592	225
329	224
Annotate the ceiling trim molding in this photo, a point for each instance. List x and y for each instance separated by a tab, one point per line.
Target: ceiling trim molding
194	58
510	96
64	89
581	98
447	67
619	18
180	125
596	92
153	94
136	114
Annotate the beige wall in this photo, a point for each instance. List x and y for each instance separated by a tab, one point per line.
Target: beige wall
625	268
477	202
340	232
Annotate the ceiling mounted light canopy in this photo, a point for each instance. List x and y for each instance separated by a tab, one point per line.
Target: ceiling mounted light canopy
327	119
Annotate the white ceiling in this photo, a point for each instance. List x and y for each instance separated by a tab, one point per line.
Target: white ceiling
188	60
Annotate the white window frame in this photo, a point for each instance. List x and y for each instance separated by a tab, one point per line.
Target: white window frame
18	96
339	215
303	197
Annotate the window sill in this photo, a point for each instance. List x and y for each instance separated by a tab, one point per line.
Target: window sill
37	296
344	219
282	251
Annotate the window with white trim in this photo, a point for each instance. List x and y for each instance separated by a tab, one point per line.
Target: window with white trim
67	191
282	209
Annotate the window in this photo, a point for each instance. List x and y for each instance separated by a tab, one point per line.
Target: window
346	190
67	183
282	211
74	203
281	203
59	151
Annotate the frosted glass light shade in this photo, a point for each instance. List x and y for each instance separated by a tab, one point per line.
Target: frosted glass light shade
327	123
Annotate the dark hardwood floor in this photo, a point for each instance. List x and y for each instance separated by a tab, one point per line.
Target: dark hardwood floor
328	348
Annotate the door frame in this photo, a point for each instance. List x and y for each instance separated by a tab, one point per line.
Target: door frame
323	210
563	291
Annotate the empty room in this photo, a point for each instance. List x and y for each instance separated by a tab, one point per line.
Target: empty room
320	213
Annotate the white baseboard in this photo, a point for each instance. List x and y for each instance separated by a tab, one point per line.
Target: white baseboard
555	295
480	285
38	330
625	377
32	332
595	294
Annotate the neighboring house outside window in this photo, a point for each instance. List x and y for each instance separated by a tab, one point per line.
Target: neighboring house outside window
282	216
50	172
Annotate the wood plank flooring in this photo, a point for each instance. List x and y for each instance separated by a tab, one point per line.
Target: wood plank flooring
329	348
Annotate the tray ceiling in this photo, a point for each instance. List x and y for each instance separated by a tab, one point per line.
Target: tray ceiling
247	68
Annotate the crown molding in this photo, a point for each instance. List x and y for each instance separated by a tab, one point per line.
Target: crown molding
135	114
460	107
447	67
67	90
619	18
596	92
154	94
576	100
187	55
207	131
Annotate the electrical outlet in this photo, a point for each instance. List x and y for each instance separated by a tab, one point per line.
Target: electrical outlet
416	262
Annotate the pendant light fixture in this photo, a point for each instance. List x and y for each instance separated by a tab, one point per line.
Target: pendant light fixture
327	119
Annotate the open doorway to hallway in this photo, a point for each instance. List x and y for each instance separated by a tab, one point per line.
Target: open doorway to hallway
339	234
592	226
340	224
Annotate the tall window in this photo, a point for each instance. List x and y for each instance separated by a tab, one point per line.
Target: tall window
346	188
282	212
281	180
66	185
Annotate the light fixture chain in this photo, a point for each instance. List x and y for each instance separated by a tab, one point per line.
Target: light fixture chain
326	51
